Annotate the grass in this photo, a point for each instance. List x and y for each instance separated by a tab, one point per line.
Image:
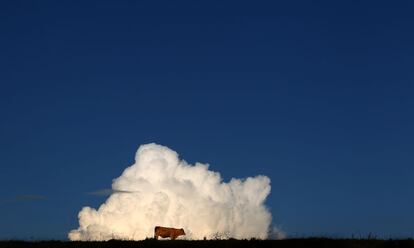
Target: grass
232	243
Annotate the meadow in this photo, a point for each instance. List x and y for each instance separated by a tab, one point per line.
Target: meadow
286	243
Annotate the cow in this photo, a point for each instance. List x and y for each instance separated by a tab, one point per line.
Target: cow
167	232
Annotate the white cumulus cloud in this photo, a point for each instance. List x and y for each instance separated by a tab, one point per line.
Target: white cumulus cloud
163	190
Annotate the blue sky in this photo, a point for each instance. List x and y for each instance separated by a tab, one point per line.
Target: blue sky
318	96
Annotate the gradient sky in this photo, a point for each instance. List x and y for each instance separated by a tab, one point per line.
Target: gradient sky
317	95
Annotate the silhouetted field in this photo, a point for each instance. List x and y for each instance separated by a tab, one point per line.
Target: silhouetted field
287	243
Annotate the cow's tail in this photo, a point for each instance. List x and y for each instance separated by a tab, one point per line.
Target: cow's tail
155	232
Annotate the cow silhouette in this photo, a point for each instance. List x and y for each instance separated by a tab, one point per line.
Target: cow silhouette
167	232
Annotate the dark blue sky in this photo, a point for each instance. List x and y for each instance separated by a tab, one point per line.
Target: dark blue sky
319	96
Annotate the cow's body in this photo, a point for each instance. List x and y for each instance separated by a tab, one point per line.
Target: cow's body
167	232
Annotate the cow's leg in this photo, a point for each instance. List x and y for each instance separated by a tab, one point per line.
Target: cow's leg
173	237
155	236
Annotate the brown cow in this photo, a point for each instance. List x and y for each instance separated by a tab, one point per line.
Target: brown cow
167	232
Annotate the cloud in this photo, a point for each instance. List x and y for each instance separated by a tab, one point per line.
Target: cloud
108	192
22	198
160	189
30	197
276	233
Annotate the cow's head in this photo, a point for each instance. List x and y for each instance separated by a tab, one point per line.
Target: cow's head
182	231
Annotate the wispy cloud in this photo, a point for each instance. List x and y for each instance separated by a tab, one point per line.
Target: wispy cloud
107	192
30	197
22	198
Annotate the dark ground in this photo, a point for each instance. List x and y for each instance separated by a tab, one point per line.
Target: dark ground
287	243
